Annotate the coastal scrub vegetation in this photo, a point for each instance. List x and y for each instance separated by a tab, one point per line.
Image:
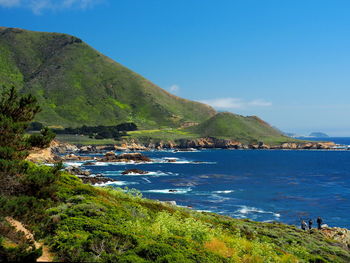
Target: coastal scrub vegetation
100	132
83	223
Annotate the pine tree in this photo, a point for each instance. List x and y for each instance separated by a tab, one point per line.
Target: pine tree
16	112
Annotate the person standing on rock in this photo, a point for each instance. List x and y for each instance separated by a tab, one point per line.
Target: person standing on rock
319	222
310	223
303	225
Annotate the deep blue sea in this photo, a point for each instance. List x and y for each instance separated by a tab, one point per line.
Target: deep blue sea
263	185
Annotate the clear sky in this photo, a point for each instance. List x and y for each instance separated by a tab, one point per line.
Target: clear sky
287	61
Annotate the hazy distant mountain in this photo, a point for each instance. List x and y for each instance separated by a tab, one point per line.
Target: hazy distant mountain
318	134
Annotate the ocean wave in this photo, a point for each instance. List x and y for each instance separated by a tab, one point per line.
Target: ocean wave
153	174
75	164
245	211
215	198
118	183
119	163
223	192
170	191
146	179
205	211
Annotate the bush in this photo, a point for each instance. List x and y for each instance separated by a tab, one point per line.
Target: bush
154	251
35	126
43	139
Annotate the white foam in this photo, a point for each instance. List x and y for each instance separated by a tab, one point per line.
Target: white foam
169	191
224	192
246	210
218	198
75	164
154	174
119	183
148	181
119	163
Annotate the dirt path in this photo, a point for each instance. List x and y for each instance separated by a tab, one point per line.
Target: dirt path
46	256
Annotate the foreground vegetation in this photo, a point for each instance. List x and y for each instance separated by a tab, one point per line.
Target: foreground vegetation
85	223
82	223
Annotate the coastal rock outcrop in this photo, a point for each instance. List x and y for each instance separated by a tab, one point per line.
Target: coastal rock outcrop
134	171
47	155
77	171
62	147
87	177
341	235
124	157
98	179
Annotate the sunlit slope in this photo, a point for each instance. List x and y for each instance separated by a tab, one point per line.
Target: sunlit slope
236	127
77	85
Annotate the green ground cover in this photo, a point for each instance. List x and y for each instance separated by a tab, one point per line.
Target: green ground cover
85	223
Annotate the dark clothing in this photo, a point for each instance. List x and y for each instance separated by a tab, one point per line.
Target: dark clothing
310	224
303	225
319	222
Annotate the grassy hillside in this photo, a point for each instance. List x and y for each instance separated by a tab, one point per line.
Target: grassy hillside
77	85
83	223
250	129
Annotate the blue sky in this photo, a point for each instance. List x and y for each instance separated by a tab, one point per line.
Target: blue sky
285	61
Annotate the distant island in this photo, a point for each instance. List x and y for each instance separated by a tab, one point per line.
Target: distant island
319	135
312	134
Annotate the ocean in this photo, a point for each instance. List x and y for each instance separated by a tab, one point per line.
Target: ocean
262	185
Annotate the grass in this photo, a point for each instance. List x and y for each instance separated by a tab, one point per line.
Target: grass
160	135
83	140
77	85
250	129
84	223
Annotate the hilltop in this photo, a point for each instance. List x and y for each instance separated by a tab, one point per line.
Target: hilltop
77	85
251	129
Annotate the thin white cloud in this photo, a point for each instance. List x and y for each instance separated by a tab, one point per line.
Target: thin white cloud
174	88
235	103
9	3
39	6
260	103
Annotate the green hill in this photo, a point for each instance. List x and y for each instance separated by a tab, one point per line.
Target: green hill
77	85
250	129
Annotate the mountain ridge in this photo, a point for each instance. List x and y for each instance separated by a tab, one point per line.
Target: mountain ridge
78	85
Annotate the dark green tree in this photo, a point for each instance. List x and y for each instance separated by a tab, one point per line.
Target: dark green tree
16	112
43	139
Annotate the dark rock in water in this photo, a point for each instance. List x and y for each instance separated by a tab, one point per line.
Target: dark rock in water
134	171
109	156
138	157
125	157
77	171
171	160
88	163
172	191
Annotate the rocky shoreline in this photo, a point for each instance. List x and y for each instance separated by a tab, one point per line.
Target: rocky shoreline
66	152
188	145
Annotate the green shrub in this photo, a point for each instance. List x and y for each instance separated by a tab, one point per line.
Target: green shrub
43	139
